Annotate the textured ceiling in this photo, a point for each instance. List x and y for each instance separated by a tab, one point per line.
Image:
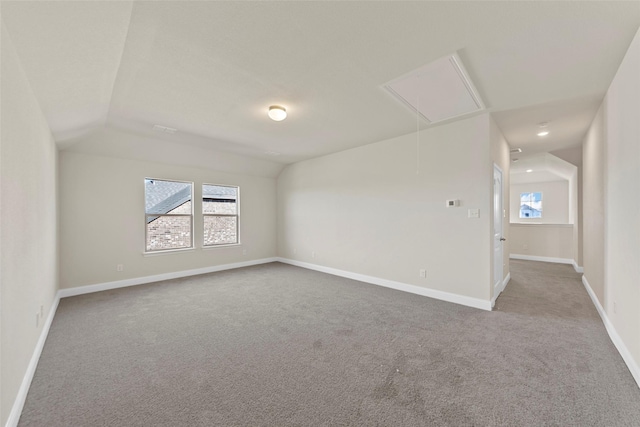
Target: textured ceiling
211	69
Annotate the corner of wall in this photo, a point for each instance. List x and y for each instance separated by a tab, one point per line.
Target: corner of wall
28	219
621	177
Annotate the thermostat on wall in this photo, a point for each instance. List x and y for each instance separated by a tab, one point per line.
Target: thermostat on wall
453	203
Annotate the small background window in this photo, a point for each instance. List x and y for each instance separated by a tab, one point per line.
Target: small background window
220	214
168	214
530	205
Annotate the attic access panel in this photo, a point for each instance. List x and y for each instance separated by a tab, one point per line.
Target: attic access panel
439	91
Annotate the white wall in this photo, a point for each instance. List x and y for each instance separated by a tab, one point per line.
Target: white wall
611	159
573	155
555	202
543	240
125	144
102	219
28	260
367	211
593	174
622	201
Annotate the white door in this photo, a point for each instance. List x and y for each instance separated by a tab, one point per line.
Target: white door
497	231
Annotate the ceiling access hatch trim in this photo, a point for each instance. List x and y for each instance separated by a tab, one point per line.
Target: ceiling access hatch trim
439	91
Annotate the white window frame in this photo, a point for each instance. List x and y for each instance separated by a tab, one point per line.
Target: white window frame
541	206
237	215
146	215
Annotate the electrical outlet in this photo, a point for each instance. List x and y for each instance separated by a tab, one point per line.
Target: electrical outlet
120	267
244	252
423	274
313	254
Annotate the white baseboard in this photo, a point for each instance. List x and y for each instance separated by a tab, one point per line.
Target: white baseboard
427	292
613	334
573	262
80	290
502	288
542	258
18	403
505	282
576	267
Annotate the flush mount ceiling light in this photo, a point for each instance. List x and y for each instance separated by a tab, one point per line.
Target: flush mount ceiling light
529	170
277	113
543	130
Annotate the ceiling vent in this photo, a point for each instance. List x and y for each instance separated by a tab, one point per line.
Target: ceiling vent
438	91
164	129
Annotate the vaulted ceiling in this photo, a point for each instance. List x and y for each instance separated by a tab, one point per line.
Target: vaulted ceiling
211	69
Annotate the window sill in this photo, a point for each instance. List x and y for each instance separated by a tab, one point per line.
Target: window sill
204	248
230	245
168	251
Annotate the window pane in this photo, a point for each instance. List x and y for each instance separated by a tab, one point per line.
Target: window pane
184	209
219	199
531	205
163	197
168	232
220	230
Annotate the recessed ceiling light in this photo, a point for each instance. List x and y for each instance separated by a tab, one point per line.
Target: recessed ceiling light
543	133
277	113
516	150
529	170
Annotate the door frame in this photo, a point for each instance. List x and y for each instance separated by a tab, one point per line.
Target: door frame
497	246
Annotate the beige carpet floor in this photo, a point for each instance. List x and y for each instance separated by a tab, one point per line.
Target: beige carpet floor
277	345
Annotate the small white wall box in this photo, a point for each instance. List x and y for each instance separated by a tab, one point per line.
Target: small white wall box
474	213
453	203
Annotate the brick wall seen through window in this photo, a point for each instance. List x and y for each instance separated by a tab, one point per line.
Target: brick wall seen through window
168	214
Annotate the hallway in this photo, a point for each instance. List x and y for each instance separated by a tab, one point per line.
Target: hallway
566	354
